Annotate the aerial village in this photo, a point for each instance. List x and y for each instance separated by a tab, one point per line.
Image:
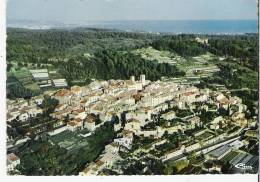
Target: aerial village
143	110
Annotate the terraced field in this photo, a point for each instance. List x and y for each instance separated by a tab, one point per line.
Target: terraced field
198	66
161	56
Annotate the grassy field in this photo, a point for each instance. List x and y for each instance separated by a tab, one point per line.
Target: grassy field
179	165
25	78
71	141
205	136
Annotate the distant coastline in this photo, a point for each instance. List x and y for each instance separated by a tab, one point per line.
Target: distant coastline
153	26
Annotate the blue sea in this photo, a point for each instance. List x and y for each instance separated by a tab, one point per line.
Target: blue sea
185	26
156	26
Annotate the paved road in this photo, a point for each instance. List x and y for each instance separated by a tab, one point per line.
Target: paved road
235	90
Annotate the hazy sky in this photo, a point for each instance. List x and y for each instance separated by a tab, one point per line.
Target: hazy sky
103	10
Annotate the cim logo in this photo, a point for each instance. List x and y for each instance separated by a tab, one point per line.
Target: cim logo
243	166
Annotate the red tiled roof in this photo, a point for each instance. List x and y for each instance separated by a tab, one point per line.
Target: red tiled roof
99	163
224	100
80	110
189	93
91	119
78	120
133	120
72	123
75	89
12	157
63	93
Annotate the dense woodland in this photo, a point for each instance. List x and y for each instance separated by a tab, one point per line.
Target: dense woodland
244	48
185	46
115	65
38	46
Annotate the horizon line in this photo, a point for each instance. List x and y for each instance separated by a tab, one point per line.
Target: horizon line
133	20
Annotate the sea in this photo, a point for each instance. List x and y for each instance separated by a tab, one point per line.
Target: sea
158	26
186	26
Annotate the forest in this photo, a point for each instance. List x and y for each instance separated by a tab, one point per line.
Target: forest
108	64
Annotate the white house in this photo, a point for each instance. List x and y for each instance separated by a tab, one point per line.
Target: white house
64	96
80	113
217	120
60	107
202	40
75	124
194	121
12	161
34	111
169	115
90	123
142	115
77	91
214	126
117	127
133	125
38	100
23	116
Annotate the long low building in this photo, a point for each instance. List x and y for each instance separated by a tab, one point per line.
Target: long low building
59	83
219	153
39	71
41	74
